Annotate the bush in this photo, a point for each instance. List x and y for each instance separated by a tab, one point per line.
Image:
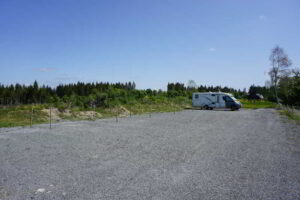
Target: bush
62	107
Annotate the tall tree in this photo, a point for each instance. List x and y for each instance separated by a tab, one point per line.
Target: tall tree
192	85
280	63
296	72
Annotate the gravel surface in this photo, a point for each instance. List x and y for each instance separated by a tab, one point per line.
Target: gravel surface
246	154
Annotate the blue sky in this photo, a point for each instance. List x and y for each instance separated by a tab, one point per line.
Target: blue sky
151	42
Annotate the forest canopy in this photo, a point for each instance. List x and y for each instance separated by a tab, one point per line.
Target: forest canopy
104	94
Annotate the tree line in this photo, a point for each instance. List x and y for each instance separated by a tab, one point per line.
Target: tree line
79	94
288	90
179	89
98	94
109	94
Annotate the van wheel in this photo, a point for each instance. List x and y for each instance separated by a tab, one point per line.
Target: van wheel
232	108
206	107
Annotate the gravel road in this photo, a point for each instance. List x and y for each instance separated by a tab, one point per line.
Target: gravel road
246	154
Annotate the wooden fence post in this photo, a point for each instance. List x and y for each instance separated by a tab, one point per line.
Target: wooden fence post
50	117
94	111
31	117
173	108
117	115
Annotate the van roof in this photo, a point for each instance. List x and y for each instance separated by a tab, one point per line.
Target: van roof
212	93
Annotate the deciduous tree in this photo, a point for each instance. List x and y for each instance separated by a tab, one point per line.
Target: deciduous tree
280	63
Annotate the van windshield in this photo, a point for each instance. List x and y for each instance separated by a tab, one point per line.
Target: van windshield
232	97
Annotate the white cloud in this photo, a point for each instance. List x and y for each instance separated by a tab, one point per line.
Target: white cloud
45	69
262	17
212	49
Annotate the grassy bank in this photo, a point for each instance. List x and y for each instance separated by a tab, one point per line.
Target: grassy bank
292	114
21	115
24	115
254	104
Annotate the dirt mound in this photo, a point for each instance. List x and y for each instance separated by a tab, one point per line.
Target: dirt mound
54	114
88	115
66	113
122	111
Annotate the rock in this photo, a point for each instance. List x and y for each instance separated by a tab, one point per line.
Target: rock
40	190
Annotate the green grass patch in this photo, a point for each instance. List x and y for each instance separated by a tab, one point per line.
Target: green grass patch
21	116
292	115
256	104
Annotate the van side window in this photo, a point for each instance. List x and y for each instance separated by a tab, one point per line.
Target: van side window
196	96
225	98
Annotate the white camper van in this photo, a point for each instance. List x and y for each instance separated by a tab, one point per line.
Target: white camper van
211	100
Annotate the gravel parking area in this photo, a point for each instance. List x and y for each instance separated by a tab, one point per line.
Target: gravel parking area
246	154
